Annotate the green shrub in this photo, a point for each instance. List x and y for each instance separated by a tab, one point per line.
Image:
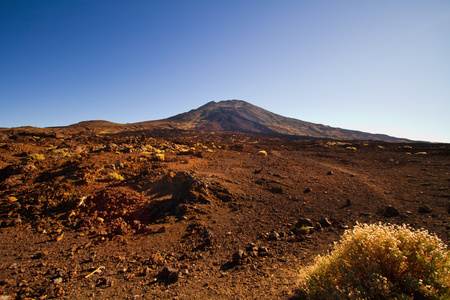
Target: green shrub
381	262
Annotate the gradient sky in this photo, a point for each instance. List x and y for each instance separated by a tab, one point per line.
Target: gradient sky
376	66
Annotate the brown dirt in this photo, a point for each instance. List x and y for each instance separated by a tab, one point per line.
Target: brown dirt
173	229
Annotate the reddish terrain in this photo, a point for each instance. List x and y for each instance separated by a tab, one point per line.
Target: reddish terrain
190	215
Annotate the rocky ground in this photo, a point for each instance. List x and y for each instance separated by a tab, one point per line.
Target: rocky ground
194	215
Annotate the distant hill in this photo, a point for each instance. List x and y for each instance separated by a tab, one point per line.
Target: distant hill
241	116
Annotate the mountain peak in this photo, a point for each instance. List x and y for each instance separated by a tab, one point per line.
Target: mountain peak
241	116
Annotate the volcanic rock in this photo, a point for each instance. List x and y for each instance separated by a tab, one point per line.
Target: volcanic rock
390	211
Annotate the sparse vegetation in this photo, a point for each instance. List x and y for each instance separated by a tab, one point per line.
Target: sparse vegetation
159	157
37	156
262	153
381	262
115	176
234	221
62	152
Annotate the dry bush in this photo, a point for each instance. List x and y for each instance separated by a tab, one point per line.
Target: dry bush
262	153
115	176
36	156
159	157
381	262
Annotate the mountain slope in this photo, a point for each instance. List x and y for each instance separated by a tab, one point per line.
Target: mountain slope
241	116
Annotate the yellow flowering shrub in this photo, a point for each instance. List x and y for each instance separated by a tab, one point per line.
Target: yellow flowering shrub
380	262
115	176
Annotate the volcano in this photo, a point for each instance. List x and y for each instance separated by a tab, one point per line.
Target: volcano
241	116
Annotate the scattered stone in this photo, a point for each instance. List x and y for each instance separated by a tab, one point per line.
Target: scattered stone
111	147
11	199
169	274
17	222
156	259
424	209
325	222
60	237
146	271
238	256
106	281
263	251
303	230
304	222
58	280
274	236
252	250
317	227
330	173
207	237
390	211
307	190
40	254
276	190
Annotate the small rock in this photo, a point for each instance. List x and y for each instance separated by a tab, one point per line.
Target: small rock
17	222
307	190
424	209
303	230
304	222
330	173
276	190
11	199
40	254
390	211
146	271
157	259
325	222
251	248
169	274
185	272
238	256
274	236
106	281
317	227
58	280
257	171
263	251
60	237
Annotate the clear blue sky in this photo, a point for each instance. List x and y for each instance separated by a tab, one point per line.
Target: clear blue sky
376	66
